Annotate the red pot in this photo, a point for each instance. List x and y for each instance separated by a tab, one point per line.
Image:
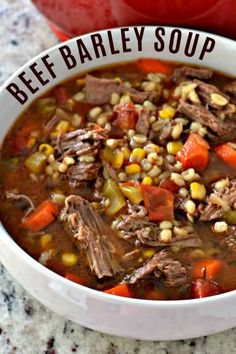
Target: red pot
70	18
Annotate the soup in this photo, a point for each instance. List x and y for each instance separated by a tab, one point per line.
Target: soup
124	180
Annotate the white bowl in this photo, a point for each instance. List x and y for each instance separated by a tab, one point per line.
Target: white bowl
141	319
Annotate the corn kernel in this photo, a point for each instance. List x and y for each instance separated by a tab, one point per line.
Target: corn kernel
167	113
63	125
69	259
133	168
45	240
148	253
173	147
147	180
118	160
62	168
197	191
137	155
126	151
46	149
54	134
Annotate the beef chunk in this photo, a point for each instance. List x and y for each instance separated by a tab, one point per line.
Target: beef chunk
77	143
229	239
81	142
143	124
206	90
141	96
231	88
83	171
103	251
218	202
162	262
98	91
135	226
23	201
184	236
218	130
184	73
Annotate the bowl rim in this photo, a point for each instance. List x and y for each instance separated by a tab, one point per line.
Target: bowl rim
53	276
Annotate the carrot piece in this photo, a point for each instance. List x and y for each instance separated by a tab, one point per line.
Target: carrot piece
207	269
155	295
159	203
120	290
154	66
74	278
44	215
226	153
194	153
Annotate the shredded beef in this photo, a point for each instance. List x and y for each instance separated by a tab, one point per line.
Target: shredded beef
143	124
229	239
184	73
98	188
83	171
81	142
174	273
23	200
135	226
149	235
141	96
102	249
111	171
218	202
218	130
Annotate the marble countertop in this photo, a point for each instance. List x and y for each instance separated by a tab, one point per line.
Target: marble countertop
26	326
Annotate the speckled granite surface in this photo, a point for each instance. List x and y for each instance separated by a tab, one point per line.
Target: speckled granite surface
26	326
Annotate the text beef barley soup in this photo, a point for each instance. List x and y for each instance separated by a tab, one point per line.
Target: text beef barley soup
124	180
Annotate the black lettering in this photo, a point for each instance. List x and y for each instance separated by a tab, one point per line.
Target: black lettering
97	44
27	82
125	39
68	58
17	93
174	47
83	51
187	51
38	74
160	45
208	47
139	36
112	47
48	66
